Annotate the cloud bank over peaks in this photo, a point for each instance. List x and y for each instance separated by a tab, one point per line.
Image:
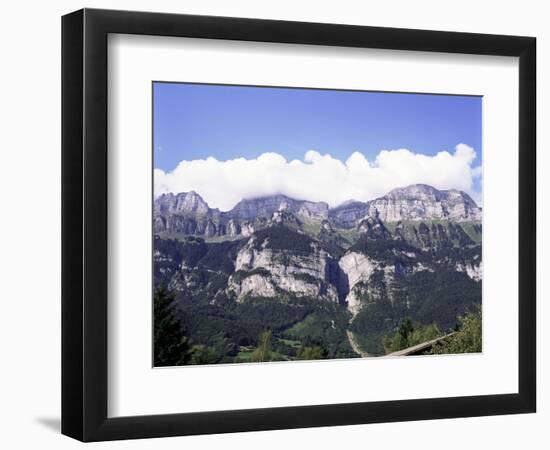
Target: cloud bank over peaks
319	177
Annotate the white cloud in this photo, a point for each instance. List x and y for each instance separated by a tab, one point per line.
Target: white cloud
319	177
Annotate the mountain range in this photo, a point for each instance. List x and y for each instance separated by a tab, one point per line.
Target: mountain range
187	213
340	279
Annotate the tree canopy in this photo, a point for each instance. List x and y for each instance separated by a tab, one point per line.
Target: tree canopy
171	347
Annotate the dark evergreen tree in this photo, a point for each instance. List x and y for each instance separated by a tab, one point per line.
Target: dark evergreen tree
171	347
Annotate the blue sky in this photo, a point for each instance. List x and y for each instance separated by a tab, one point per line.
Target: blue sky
194	121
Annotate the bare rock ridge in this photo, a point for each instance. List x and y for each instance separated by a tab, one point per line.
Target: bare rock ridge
187	213
412	203
184	202
264	269
267	206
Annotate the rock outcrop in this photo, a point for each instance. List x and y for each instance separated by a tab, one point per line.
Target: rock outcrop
187	213
261	271
358	269
417	202
250	209
473	270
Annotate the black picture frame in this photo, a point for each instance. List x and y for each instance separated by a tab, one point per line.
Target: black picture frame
84	224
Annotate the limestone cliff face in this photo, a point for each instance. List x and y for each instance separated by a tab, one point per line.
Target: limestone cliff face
188	214
370	280
473	270
412	203
358	269
233	228
349	215
250	209
420	202
261	271
189	203
434	236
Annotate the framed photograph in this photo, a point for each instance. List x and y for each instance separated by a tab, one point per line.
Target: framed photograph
273	224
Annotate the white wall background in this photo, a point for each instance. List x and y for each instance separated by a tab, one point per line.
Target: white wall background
30	226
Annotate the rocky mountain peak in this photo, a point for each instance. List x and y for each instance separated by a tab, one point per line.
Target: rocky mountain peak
423	202
188	213
284	217
416	202
426	193
181	203
250	209
192	202
422	192
373	228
